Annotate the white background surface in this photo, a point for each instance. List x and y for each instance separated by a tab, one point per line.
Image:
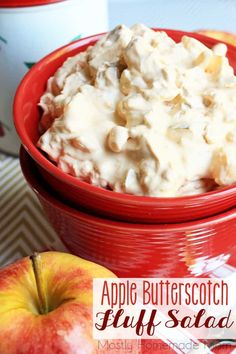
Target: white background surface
176	14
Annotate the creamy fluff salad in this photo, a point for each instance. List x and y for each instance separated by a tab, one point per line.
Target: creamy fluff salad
138	113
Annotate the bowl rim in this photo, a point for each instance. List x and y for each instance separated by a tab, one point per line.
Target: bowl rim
28	166
49	166
26	3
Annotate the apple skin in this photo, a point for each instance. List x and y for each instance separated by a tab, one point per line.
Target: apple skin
67	328
226	37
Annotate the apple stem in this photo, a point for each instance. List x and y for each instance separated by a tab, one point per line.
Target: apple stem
37	269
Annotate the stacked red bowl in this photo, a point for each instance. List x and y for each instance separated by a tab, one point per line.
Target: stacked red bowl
131	235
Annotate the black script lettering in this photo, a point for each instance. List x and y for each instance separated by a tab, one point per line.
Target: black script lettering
198	317
106	318
174	323
226	319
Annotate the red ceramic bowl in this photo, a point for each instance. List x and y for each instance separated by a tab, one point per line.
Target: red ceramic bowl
25	3
138	250
104	202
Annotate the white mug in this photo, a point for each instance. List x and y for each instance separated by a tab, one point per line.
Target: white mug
28	33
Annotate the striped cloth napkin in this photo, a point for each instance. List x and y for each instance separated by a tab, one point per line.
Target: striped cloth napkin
23	227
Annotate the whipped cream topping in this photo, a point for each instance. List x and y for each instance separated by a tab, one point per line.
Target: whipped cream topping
140	114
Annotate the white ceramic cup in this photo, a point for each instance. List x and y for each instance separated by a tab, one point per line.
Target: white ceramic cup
29	33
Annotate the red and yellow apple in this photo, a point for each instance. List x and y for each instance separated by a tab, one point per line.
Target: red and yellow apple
226	37
46	305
